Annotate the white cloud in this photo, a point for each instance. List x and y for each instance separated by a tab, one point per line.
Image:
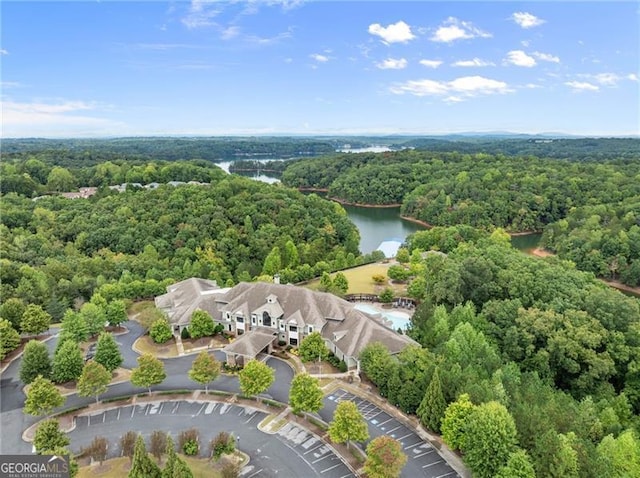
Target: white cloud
453	99
453	91
453	29
474	62
5	85
431	63
3	52
525	43
632	77
546	57
398	32
319	58
201	14
526	20
581	86
230	32
608	79
520	58
55	118
392	64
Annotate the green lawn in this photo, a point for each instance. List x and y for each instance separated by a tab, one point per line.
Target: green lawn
360	280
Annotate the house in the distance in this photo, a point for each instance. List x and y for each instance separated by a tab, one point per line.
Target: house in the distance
261	314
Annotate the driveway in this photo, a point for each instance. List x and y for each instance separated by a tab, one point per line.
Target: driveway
423	458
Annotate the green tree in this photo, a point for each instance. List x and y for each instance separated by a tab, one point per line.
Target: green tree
94	380
12	310
34	320
9	338
202	324
150	371
49	436
619	457
387	295
518	466
42	397
490	437
272	263
433	405
377	364
204	370
60	179
313	347
291	257
74	327
67	362
160	331
347	424
385	458
175	467
35	361
255	378
116	312
94	316
455	420
142	466
306	394
326	283
107	352
340	284
402	256
398	273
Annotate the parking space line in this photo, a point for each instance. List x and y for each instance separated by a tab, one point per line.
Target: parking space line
118	418
432	464
320	459
201	408
160	411
334	466
251	417
407	435
175	408
312	449
347	476
411	446
394	429
425	453
371	418
447	474
255	474
104	416
386	421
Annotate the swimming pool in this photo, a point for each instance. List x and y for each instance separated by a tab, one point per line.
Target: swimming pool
399	320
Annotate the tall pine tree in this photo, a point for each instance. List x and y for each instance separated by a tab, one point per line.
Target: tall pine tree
433	405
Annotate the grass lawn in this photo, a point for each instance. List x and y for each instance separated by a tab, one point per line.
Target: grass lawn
138	307
360	280
147	346
119	467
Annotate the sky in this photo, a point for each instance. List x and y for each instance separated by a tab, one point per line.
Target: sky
269	67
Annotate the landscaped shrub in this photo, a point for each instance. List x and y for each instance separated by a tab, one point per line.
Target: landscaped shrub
188	442
218	329
222	444
185	334
190	448
160	331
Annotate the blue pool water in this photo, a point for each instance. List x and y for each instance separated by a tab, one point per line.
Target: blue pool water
400	320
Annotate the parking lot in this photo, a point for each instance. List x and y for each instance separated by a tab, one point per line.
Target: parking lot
423	458
291	452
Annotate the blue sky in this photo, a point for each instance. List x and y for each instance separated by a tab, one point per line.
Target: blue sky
119	68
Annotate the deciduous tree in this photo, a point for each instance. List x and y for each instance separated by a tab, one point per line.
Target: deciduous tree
255	378
385	458
313	347
116	312
150	371
455	420
205	369
158	444
49	436
42	397
202	324
9	338
490	437
128	443
94	380
107	352
74	327
306	394
67	362
34	320
347	424
160	331
98	449
518	466
35	361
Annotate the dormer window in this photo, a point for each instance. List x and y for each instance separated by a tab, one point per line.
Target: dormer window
266	319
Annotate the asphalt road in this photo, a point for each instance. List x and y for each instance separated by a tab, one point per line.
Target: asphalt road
293	452
13	422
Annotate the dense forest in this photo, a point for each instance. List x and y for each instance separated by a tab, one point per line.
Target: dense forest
553	345
56	251
488	191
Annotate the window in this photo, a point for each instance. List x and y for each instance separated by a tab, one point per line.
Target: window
240	331
266	319
310	328
293	328
293	341
253	319
240	320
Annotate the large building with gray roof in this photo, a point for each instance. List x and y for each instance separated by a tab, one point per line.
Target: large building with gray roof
261	314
